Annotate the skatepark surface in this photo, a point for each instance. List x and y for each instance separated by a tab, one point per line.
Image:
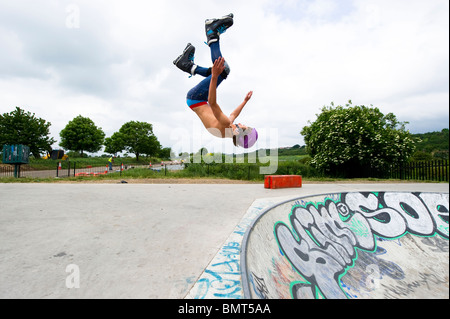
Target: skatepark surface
185	241
377	245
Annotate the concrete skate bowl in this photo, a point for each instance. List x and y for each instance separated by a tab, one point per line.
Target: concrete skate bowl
358	245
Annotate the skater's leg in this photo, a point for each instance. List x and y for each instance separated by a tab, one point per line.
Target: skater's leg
215	51
185	62
214	27
199	94
215	54
205	72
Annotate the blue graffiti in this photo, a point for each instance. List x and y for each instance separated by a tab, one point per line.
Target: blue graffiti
224	277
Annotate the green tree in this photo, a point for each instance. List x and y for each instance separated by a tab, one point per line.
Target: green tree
114	144
134	137
81	135
352	139
435	144
165	153
20	127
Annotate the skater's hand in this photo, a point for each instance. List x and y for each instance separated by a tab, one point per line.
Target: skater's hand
218	67
248	96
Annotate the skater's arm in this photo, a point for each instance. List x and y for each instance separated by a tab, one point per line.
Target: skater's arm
238	110
217	69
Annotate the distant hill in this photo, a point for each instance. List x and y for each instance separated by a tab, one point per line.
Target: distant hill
433	143
294	150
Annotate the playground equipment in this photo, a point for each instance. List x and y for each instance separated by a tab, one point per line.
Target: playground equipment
56	155
16	155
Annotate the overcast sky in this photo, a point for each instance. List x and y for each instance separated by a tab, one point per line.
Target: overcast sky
111	61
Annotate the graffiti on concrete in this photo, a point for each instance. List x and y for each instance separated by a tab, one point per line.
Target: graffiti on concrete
259	285
324	238
223	276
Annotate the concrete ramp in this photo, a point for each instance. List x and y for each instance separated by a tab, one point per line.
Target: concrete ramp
349	245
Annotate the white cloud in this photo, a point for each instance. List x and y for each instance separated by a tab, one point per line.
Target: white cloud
115	65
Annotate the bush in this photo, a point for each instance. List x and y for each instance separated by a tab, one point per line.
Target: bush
248	171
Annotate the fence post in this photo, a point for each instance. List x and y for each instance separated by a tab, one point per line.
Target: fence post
74	164
432	174
424	171
415	171
411	170
438	170
419	170
444	170
441	170
428	171
16	170
407	171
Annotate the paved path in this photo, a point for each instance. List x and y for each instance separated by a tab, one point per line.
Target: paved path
126	240
9	171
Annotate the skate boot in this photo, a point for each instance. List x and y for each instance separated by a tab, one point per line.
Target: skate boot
185	62
215	27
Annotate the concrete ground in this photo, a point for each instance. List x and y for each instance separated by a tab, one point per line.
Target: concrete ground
127	240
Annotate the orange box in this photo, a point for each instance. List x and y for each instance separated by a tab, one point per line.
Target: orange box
282	181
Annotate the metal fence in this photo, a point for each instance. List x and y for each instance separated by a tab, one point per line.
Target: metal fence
425	171
61	169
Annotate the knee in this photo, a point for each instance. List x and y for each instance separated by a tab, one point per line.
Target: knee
227	70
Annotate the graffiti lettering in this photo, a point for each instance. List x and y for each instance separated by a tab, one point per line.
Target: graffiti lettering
260	286
323	240
222	277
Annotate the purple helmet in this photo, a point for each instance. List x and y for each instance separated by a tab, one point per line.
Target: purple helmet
246	138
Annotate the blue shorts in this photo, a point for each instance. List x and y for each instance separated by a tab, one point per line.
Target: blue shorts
195	103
